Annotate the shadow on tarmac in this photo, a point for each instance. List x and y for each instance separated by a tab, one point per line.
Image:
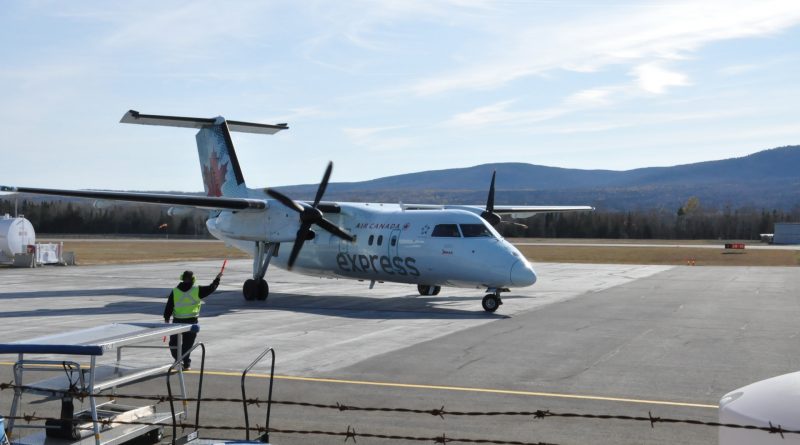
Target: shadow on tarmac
224	302
155	292
411	306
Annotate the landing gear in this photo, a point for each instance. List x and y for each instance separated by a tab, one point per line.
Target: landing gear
257	288
425	289
492	300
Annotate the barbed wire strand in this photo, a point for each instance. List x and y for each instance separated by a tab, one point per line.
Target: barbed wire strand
437	412
349	434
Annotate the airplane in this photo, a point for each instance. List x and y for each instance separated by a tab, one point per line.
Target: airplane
425	245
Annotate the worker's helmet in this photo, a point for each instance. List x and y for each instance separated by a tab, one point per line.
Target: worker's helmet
188	276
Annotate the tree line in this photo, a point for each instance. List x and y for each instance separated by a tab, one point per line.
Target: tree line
84	218
690	221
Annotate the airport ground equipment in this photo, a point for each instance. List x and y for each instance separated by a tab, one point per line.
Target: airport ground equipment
60	353
193	437
770	404
18	246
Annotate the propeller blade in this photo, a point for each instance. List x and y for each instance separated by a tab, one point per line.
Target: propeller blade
324	184
490	199
302	234
334	229
309	215
285	200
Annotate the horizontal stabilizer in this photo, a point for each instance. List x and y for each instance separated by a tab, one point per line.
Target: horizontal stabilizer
134	117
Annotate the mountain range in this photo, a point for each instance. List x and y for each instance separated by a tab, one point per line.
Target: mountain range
769	179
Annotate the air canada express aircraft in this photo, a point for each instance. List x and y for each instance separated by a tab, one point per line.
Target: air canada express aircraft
427	245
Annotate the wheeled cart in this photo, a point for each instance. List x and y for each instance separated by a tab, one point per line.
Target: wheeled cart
102	423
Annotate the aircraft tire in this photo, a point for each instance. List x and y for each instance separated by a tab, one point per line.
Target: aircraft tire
426	289
263	290
250	290
490	303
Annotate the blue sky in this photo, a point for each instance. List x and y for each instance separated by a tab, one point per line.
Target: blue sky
390	87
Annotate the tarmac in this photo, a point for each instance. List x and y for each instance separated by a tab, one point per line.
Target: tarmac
616	340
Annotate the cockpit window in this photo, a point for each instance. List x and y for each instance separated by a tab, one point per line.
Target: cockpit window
446	231
475	231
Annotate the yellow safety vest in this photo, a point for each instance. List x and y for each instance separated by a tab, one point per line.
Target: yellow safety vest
187	304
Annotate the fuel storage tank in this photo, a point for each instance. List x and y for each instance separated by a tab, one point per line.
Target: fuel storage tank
16	234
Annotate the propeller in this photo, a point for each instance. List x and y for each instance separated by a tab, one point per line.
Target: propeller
309	215
488	214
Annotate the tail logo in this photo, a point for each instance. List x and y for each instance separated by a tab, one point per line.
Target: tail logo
214	175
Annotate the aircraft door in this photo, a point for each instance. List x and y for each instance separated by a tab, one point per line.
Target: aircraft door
394	243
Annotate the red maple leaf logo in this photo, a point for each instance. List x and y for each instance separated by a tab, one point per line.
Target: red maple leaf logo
214	175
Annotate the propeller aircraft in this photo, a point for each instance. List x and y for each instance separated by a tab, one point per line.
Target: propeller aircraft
425	245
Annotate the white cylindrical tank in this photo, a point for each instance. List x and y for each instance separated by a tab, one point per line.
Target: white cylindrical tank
16	234
774	402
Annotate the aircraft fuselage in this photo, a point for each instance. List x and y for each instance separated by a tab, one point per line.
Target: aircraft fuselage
428	247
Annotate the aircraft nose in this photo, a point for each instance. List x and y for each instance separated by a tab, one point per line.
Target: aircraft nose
522	274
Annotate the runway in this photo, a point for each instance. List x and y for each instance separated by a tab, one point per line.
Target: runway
600	339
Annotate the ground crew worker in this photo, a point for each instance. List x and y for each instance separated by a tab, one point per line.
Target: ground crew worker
183	305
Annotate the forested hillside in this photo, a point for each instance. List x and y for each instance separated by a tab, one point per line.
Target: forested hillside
769	179
736	198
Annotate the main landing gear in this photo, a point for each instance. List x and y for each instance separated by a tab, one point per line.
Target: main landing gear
257	288
492	300
426	289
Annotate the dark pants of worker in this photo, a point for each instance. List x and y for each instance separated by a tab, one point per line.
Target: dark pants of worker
188	342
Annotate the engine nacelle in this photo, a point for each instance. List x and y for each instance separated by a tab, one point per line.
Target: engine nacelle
276	224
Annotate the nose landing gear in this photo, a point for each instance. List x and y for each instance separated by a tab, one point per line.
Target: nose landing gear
492	300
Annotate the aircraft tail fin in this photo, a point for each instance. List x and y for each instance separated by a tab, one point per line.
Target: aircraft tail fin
222	175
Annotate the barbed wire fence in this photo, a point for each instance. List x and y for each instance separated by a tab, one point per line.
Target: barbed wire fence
350	433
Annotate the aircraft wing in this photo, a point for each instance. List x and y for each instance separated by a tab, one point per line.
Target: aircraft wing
522	211
202	202
525	211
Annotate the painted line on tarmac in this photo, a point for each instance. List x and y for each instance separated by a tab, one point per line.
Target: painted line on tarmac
468	389
454	388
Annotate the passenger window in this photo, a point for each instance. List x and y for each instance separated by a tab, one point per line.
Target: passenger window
475	231
380	239
371	238
446	231
394	241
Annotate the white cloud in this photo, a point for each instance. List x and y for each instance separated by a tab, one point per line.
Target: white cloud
590	97
188	29
654	79
500	113
637	35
